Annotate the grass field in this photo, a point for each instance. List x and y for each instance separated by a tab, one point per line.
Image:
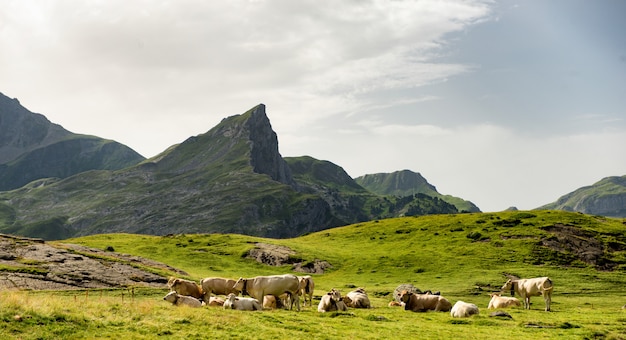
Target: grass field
440	253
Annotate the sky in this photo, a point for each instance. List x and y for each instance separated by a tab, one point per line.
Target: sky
503	103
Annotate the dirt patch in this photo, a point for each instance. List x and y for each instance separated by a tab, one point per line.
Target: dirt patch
574	243
276	255
27	263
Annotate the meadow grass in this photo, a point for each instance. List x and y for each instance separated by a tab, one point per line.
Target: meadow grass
440	253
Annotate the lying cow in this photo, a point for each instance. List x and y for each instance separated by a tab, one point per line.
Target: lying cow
498	301
526	288
331	301
277	285
182	300
214	301
463	309
185	287
217	286
357	299
241	303
307	286
272	302
424	302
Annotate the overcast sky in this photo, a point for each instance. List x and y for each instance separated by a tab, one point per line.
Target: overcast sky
504	103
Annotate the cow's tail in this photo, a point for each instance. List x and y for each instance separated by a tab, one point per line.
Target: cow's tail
307	288
548	281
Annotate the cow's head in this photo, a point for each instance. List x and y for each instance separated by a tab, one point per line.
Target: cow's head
405	296
334	295
509	285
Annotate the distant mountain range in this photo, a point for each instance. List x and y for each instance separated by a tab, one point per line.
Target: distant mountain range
606	198
31	147
231	179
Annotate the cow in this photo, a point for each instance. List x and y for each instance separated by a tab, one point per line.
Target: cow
217	286
424	302
357	299
182	300
331	301
185	287
215	301
526	288
306	288
395	303
272	302
462	309
259	286
498	301
241	303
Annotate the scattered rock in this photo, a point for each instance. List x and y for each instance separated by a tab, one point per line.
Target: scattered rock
500	314
276	255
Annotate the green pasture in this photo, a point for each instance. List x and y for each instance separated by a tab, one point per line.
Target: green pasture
464	256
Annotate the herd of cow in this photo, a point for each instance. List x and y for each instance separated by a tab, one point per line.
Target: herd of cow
283	291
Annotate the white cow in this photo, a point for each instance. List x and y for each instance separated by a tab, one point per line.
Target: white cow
463	309
277	285
498	301
531	287
307	286
182	300
331	301
357	299
241	303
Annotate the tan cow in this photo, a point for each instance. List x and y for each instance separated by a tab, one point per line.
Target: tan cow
241	303
307	286
182	300
185	287
271	302
277	285
217	286
331	301
498	301
531	287
424	302
462	309
214	301
357	299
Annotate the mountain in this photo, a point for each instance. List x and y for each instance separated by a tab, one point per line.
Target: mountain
606	198
31	147
231	179
406	183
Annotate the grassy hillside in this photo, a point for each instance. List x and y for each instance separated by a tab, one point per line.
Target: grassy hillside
464	256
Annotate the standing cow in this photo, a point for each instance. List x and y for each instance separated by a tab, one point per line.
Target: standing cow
531	287
217	286
424	302
307	286
277	285
185	287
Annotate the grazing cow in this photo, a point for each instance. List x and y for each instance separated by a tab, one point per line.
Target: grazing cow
531	287
498	301
217	286
277	285
241	303
463	309
424	302
182	300
185	287
306	288
215	301
331	301
357	299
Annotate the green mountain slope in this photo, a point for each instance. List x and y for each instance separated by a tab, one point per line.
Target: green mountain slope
31	147
606	198
407	183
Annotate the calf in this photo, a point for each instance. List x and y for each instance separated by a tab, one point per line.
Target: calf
182	300
241	303
498	301
215	301
463	309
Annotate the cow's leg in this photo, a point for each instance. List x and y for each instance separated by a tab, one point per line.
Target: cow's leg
547	296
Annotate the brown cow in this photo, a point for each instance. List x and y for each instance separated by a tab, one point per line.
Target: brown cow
424	302
185	287
307	286
217	286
